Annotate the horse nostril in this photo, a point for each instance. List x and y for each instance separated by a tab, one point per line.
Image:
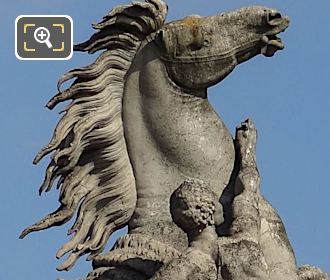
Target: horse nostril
274	15
273	18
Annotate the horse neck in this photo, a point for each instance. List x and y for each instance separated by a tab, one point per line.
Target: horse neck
156	177
171	135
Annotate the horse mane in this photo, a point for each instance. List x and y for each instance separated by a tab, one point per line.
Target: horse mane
89	154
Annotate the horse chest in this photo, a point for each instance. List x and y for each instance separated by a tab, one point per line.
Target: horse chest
177	136
191	136
171	138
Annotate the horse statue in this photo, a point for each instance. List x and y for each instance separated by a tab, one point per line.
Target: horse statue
139	124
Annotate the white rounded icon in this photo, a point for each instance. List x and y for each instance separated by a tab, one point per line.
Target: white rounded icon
42	35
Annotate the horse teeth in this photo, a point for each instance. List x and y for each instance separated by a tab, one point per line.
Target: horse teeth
265	39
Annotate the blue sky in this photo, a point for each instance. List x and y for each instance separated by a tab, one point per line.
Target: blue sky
287	96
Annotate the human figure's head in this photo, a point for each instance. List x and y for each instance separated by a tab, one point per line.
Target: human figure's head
194	207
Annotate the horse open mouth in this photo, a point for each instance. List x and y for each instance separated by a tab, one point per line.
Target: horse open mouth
270	39
273	44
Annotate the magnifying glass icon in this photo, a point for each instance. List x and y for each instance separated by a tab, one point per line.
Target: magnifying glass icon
42	35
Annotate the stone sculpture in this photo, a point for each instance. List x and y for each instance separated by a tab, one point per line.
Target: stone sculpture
197	211
139	125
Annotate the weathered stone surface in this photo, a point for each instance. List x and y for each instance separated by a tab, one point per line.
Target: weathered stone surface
308	272
197	211
140	146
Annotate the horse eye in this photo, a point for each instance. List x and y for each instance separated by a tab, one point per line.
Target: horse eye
206	43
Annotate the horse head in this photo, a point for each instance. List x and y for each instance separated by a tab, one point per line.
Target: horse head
201	51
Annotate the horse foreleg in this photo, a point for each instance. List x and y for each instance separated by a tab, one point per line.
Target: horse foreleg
241	253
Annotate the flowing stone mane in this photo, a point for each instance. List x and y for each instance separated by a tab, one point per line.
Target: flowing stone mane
89	153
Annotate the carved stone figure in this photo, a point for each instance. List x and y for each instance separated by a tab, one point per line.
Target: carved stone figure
197	211
139	125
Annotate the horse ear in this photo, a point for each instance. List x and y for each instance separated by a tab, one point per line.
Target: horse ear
164	42
181	38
